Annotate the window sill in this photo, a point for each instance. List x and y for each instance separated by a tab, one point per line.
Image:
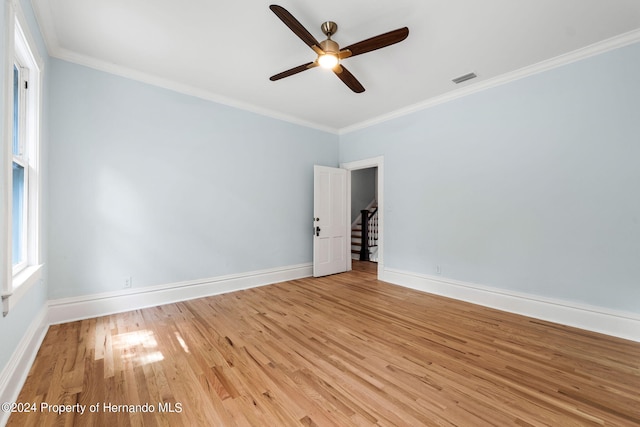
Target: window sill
21	284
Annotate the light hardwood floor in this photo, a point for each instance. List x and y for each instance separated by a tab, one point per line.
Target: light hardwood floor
345	350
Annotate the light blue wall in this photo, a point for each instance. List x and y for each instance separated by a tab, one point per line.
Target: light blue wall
163	187
16	324
532	186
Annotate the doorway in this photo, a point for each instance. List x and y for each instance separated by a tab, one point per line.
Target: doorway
360	165
364	215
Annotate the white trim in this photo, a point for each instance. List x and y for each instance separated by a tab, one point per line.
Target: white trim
186	89
549	64
6	270
597	319
16	370
21	47
46	24
32	46
55	50
45	21
30	54
375	162
22	283
77	308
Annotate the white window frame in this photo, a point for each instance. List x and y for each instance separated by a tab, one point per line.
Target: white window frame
22	159
20	50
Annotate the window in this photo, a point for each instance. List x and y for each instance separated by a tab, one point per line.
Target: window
22	119
20	175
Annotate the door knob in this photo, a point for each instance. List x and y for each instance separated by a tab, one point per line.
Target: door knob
317	231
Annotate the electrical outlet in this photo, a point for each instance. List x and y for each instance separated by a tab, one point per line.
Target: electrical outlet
438	269
127	282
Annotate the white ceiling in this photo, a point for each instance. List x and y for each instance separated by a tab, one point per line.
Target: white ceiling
226	50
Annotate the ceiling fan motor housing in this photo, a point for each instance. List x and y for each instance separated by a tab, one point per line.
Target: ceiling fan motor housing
329	46
329	28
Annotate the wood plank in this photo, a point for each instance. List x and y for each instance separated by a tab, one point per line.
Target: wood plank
343	350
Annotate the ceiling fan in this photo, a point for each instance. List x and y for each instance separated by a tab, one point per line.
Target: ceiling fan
329	52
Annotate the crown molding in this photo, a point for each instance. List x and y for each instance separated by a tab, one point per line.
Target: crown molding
613	43
44	15
43	12
175	86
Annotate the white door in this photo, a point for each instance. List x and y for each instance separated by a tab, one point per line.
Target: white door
329	220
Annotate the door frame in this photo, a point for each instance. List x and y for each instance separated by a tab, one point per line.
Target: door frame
375	162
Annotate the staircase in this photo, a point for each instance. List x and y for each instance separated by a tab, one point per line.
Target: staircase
372	228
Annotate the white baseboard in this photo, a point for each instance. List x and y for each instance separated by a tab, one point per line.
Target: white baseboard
85	307
16	370
597	319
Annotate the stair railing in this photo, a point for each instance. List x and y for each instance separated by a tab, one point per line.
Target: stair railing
369	232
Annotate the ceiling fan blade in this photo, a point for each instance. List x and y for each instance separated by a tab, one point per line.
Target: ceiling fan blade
348	79
294	70
295	26
377	42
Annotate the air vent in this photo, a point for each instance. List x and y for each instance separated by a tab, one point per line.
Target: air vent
464	78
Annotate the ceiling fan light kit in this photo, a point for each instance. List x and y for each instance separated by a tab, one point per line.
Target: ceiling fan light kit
328	61
331	49
328	51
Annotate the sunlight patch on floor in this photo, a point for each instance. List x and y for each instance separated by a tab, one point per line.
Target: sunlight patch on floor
130	342
183	344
